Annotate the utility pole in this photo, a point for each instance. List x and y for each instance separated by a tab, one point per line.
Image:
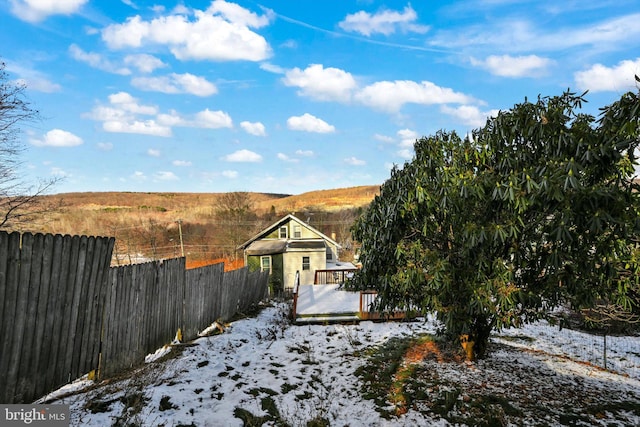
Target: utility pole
180	231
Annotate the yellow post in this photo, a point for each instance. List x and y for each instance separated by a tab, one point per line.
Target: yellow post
467	345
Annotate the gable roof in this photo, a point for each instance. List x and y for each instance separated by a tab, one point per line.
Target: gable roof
282	221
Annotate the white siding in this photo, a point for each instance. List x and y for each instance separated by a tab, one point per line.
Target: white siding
292	262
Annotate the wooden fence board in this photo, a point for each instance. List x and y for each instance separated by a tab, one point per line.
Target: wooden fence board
88	288
148	329
48	284
4	300
80	291
19	318
28	361
93	306
127	317
112	349
4	249
215	290
69	321
56	376
193	290
64	311
11	274
157	297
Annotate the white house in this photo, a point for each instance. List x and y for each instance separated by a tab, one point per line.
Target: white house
288	246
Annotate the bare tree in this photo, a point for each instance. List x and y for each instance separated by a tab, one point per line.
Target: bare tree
18	199
236	220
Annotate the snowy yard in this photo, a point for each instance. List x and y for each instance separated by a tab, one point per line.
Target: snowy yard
266	369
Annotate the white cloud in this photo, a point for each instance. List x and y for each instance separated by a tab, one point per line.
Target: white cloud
333	84
38	10
153	152
610	32
124	111
407	138
145	63
309	123
324	84
354	161
286	158
176	84
130	104
383	138
121	116
256	128
230	174
57	138
391	96
97	61
165	176
304	153
130	4
405	153
138	176
144	127
104	146
238	15
600	78
514	66
469	115
194	85
213	119
221	33
181	163
204	119
243	156
272	68
56	171
519	35
32	79
384	22
289	44
172	119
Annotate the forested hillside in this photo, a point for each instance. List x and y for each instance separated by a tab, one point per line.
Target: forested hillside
203	226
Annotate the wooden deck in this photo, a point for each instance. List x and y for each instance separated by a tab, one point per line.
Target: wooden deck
330	303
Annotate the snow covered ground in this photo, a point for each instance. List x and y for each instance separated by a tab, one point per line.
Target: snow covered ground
326	299
307	372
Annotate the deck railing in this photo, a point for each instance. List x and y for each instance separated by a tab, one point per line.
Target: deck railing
296	286
367	298
330	277
367	311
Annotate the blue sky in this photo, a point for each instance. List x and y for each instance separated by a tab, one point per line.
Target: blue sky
289	96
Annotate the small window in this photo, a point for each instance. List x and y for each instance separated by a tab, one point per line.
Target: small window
306	263
265	264
297	231
329	255
283	232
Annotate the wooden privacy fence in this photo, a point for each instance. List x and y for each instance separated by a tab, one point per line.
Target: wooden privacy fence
52	291
147	304
64	312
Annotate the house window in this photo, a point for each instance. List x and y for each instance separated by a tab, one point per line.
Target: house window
265	264
283	232
297	232
306	263
329	255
